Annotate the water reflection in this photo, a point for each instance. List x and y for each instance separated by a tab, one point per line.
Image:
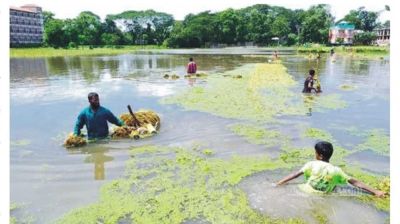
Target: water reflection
97	156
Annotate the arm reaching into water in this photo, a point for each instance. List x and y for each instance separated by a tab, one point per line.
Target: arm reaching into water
363	186
290	177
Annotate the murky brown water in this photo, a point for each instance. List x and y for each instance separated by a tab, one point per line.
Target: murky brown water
48	93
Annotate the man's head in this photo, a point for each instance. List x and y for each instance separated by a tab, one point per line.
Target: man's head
94	100
311	72
190	59
323	151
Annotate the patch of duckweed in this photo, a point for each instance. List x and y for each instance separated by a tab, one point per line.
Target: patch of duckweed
263	92
14	206
208	152
347	87
328	102
21	142
24	217
257	135
320	217
174	185
377	140
378	182
318	134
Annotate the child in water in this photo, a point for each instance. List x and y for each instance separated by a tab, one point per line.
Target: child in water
321	176
310	81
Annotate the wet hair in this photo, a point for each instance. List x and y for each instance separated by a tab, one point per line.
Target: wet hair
190	59
311	72
324	149
92	94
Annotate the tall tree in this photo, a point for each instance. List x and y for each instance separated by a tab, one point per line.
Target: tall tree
316	24
362	19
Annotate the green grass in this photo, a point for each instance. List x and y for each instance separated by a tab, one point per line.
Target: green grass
352	50
81	51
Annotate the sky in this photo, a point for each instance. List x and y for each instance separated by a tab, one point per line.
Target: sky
180	8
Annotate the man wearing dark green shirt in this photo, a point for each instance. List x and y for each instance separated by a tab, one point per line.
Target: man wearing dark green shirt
95	118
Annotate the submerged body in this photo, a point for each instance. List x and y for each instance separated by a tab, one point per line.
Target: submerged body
95	117
323	176
96	122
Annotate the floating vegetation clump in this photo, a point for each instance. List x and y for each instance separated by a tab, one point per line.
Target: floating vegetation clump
74	141
377	140
125	132
149	124
173	76
263	93
260	136
318	134
174	185
347	87
144	117
22	142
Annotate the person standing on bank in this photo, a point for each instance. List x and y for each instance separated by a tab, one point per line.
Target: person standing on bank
191	67
95	118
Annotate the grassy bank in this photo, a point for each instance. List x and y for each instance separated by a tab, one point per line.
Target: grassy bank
81	51
372	50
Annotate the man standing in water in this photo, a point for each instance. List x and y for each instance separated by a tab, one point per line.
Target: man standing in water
95	118
191	67
309	83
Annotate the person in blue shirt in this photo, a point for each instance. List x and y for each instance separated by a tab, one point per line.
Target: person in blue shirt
95	118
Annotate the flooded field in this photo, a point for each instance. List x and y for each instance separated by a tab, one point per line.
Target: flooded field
226	136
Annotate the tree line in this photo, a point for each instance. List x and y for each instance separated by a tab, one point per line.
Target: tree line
260	24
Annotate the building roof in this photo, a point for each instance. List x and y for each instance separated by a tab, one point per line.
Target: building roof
30	6
343	26
21	9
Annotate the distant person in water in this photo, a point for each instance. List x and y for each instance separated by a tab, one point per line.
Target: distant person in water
275	55
191	67
309	82
95	118
323	177
332	51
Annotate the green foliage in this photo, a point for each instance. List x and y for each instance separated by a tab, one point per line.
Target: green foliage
55	35
365	38
145	27
315	26
362	19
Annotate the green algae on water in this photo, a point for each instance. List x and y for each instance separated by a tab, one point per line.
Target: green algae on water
347	87
261	136
173	185
377	140
318	134
21	142
376	181
263	93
